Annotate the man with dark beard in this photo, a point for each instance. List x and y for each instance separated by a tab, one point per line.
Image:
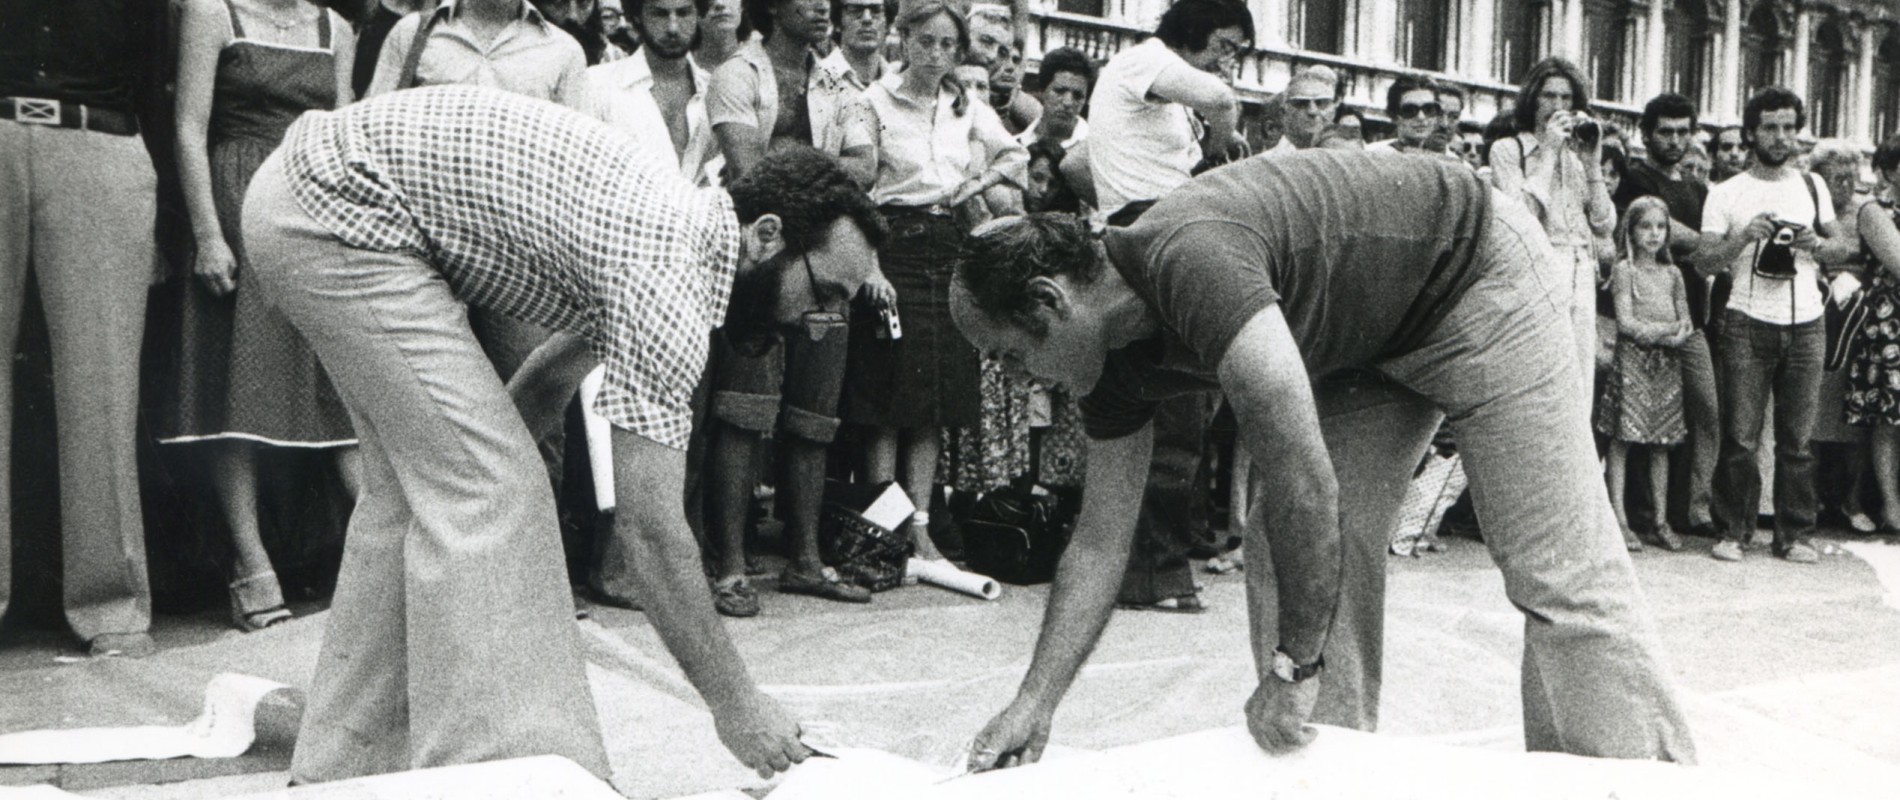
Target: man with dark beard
374	228
1770	337
659	94
1668	126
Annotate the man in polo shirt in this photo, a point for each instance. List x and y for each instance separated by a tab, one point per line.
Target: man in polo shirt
1346	303
451	636
1668	126
78	197
779	90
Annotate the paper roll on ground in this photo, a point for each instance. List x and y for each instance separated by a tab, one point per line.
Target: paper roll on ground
600	452
946	575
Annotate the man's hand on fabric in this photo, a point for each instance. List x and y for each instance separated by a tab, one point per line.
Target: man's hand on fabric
1277	714
760	734
1015	737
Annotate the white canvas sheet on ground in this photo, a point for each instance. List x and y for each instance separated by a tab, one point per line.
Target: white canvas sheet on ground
917	672
1225	763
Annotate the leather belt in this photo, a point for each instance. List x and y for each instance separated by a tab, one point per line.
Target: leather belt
55	114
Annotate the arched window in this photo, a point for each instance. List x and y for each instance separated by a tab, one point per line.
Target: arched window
1887	86
1762	45
1422	33
1689	44
1827	79
1517	38
1320	25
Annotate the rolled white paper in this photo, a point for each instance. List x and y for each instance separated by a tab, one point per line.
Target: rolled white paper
946	575
225	729
600	451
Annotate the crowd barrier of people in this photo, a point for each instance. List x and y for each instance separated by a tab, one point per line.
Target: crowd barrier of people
811	242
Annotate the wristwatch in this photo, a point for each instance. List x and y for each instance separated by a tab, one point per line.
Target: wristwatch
1286	670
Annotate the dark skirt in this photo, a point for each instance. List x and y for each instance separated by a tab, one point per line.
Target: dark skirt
930	377
243	371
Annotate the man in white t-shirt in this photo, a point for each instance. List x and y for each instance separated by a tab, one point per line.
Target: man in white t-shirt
1770	338
1144	139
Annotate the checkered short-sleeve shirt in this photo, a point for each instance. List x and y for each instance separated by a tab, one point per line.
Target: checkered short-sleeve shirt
532	210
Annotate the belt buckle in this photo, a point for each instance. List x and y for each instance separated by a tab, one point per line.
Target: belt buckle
36	111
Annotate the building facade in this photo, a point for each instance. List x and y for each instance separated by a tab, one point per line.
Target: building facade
1842	56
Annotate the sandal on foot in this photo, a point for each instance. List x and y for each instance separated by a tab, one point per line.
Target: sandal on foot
735	597
257	602
1226	564
1861	523
1666	536
827	584
1185	604
1630	541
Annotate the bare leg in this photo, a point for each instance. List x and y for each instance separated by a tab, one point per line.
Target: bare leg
1619	476
1659	494
880	455
733	475
1886	446
921	446
349	467
257	600
234	479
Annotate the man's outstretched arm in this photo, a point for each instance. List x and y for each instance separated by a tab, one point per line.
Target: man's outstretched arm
1079	605
671	584
1266	382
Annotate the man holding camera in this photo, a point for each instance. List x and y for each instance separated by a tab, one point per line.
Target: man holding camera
1759	232
1555	167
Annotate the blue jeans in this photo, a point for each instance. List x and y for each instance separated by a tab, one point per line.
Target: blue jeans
1759	358
1501	368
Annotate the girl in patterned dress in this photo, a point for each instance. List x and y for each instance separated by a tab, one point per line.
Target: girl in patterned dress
1642	398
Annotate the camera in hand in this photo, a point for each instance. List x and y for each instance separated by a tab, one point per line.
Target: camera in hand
1775	257
1587	132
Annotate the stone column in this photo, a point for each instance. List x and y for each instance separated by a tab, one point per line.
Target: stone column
1572	29
1269	22
1476	40
1655	36
1797	72
1863	120
1728	73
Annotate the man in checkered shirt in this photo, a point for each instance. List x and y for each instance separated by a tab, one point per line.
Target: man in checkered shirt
451	637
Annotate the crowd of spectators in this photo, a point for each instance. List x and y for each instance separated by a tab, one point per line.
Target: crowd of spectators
1697	267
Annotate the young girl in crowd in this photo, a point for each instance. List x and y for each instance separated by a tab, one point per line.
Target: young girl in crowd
1642	398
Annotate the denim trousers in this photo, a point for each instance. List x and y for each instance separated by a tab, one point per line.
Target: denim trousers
76	208
1500	367
451	636
1759	359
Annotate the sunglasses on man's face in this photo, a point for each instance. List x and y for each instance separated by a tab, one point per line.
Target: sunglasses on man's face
1412	110
1311	103
1727	146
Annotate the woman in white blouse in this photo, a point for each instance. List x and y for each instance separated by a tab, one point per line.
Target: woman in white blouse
936	152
